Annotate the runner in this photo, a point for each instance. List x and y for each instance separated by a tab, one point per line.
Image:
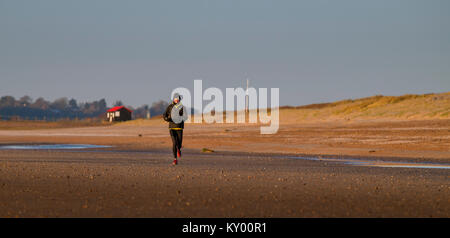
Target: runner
174	114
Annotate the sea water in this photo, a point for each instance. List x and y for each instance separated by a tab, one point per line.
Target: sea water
52	147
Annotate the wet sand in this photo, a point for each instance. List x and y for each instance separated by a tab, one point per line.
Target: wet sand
243	178
142	184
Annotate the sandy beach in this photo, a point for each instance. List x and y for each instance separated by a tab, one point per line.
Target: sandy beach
247	175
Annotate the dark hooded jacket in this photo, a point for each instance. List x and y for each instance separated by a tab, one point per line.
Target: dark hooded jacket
168	117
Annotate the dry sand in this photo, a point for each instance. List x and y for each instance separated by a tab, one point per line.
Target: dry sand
246	176
422	139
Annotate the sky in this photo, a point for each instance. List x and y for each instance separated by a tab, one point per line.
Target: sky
139	51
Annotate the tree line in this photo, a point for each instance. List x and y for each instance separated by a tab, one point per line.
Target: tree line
25	108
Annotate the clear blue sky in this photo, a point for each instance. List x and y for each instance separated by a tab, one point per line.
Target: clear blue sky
138	51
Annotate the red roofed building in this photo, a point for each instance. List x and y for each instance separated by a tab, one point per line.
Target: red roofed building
119	113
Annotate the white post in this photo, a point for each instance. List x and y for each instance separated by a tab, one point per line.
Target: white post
246	98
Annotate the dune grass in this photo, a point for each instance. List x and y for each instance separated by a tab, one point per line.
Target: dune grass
405	107
378	107
410	106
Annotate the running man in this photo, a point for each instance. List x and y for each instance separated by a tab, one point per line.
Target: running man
175	115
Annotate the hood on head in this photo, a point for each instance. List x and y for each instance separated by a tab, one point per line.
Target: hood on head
176	95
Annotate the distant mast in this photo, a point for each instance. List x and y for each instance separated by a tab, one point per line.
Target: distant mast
246	98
